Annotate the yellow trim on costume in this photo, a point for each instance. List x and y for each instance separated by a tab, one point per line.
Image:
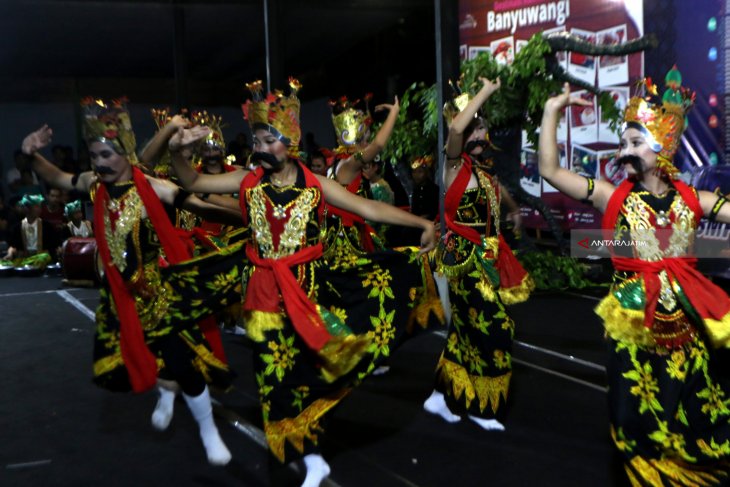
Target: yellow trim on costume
719	331
623	324
519	293
651	471
257	323
304	425
487	389
341	354
107	364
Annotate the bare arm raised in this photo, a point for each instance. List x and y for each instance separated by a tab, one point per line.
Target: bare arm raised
567	182
157	145
376	211
348	169
33	143
192	180
455	140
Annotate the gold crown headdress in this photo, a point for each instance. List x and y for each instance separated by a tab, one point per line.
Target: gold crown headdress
110	123
350	123
422	161
662	125
214	123
276	113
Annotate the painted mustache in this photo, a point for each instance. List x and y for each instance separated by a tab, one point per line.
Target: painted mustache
473	144
634	161
259	157
104	170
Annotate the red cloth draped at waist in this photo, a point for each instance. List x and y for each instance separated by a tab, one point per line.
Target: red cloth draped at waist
511	272
272	279
706	298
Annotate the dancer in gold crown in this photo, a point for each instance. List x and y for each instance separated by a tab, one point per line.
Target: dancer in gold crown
474	372
669	413
137	341
306	357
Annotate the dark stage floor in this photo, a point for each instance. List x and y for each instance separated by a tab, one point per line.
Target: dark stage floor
60	430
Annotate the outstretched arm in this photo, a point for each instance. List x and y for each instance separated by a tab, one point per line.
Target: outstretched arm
168	192
567	182
455	141
157	145
192	180
376	211
50	173
348	169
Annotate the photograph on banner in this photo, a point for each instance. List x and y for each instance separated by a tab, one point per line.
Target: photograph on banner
561	56
608	169
529	173
583	66
584	161
563	158
620	95
463	52
503	50
612	70
583	120
519	45
474	51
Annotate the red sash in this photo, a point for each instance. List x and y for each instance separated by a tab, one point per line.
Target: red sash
272	278
706	298
140	362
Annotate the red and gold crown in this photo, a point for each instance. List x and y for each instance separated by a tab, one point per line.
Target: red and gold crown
110	123
214	123
351	124
663	124
276	113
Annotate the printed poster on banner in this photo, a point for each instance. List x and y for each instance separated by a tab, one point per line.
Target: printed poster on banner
463	52
612	70
583	120
620	96
584	161
563	158
608	170
474	51
503	50
583	66
529	173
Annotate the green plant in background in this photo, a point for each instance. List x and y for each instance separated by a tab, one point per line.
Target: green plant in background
526	84
553	272
409	139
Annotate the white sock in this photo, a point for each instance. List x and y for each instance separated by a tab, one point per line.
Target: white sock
202	410
317	470
162	415
436	404
488	424
382	370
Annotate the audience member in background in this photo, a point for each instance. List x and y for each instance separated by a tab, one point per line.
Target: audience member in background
13	176
77	226
52	210
32	235
318	163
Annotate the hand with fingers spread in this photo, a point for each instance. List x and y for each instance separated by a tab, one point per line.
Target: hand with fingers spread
184	137
564	99
37	140
387	106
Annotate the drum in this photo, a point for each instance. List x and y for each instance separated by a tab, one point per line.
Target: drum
79	261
